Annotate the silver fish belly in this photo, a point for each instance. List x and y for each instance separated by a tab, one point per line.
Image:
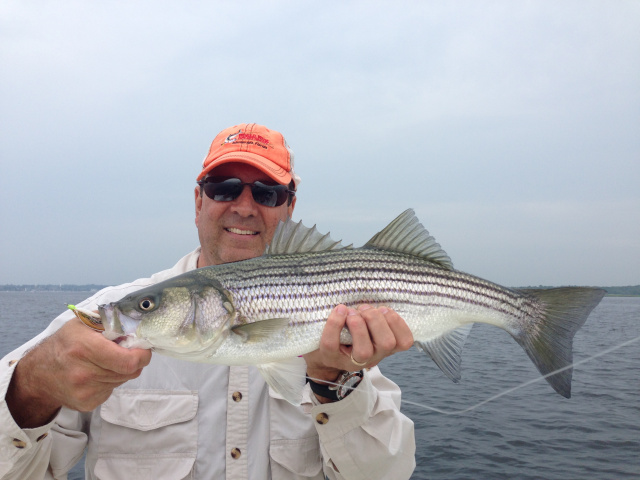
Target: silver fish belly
269	309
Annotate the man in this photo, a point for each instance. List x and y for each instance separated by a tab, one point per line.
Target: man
158	417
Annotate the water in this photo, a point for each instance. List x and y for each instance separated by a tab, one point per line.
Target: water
531	433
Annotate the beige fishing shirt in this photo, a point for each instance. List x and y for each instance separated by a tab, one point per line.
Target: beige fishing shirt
188	420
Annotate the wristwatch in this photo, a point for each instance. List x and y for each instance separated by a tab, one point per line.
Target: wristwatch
338	389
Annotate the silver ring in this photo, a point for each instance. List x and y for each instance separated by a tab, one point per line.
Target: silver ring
359	364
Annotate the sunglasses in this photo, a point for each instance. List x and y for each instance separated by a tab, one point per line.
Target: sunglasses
227	190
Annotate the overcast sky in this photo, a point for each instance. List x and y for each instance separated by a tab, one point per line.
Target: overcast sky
512	128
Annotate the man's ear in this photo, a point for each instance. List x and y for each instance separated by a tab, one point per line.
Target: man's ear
291	207
198	200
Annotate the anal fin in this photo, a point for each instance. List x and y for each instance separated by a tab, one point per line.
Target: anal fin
446	350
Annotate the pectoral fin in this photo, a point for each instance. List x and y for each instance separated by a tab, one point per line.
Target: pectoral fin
261	330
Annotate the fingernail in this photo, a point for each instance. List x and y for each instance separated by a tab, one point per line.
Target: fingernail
341	310
353	311
364	307
384	310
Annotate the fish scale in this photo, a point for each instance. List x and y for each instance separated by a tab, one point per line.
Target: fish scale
412	287
384	278
268	310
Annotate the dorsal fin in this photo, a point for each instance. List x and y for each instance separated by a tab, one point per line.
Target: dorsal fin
406	234
293	237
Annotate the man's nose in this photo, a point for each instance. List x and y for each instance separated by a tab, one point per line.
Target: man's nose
245	205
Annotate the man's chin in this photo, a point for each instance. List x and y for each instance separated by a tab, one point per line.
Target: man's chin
238	255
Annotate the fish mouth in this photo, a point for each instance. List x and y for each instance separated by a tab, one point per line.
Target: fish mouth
119	328
110	319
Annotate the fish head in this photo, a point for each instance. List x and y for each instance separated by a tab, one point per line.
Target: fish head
186	316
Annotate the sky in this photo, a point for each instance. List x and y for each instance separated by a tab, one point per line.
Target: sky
511	128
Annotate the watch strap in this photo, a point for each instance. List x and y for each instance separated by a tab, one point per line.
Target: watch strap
333	391
323	390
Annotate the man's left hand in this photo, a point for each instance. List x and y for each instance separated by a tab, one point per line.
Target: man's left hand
376	332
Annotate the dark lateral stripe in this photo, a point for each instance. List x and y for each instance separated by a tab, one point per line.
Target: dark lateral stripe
385	275
344	266
256	296
378	263
368	283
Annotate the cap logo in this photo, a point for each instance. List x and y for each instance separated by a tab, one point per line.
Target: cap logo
248	139
232	138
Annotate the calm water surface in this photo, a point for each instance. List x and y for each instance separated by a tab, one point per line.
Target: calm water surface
532	433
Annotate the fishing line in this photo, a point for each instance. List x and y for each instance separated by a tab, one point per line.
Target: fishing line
510	390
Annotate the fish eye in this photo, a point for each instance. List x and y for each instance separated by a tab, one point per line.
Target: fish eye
146	304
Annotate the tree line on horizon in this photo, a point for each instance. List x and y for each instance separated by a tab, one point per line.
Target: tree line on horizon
630	290
52	288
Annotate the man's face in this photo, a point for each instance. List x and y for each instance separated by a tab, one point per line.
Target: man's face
240	229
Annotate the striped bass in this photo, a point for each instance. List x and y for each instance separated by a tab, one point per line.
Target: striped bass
267	311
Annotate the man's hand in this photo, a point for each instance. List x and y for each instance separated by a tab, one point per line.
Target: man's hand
76	368
376	332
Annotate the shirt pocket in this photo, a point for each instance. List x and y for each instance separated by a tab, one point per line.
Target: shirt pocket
147	434
296	459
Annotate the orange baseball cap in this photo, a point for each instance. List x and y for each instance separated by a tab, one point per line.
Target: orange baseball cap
254	145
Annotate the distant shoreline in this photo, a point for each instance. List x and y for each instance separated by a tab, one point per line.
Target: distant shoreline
624	291
52	288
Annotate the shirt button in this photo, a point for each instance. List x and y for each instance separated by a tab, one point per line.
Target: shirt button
322	418
237	396
18	443
42	437
235	453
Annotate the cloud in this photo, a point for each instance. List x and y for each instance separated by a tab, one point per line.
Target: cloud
503	114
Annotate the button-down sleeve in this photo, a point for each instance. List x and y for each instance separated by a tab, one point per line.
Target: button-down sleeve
364	436
58	445
30	452
24	453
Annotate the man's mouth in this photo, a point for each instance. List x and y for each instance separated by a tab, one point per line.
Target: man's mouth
238	231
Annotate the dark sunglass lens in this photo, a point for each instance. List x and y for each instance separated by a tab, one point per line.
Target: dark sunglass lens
225	191
268	195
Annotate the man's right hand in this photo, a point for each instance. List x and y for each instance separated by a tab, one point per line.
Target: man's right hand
76	368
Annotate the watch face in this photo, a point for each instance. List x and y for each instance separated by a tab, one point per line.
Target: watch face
349	383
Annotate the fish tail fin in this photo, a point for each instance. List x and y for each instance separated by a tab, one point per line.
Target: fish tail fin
549	341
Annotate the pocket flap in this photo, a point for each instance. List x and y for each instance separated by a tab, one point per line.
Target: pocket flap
149	409
150	467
